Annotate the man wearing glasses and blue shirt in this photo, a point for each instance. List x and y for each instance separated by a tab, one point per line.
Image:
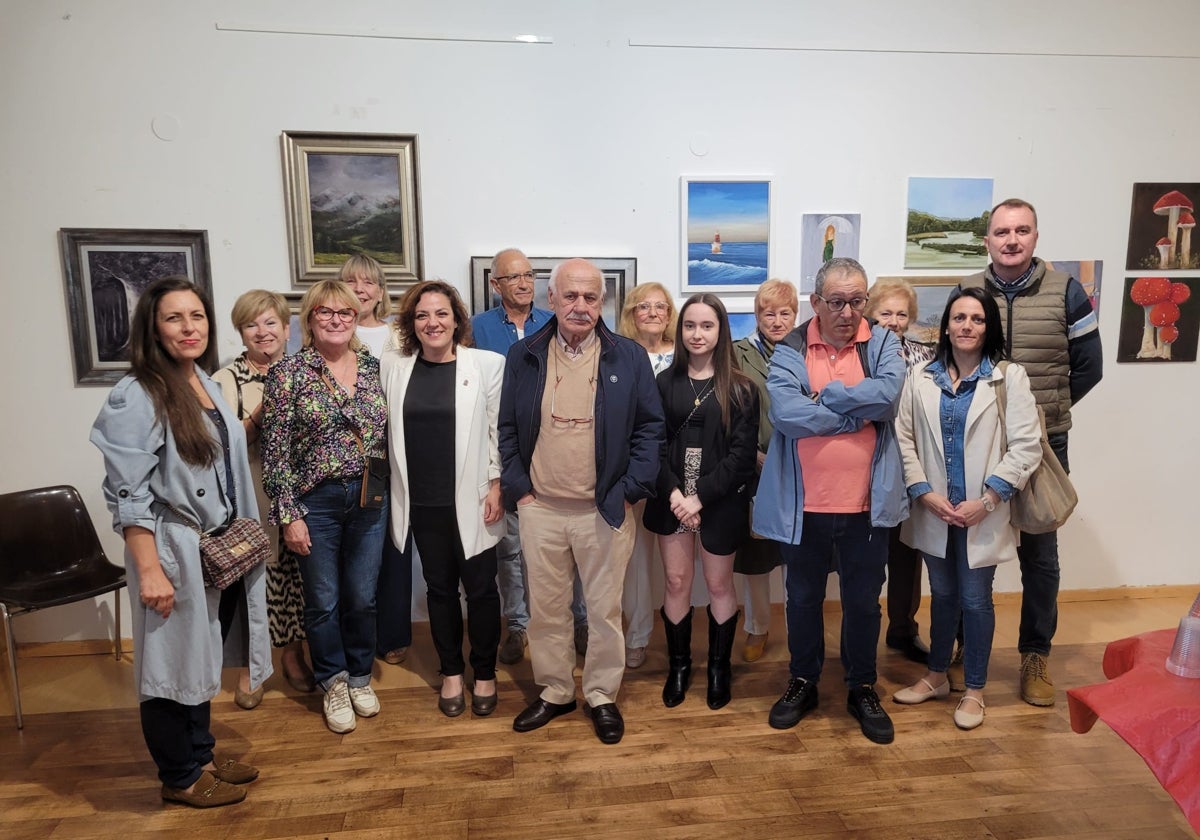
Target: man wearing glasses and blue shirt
831	487
581	425
497	329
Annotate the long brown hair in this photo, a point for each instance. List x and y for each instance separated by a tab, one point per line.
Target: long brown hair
730	385
176	405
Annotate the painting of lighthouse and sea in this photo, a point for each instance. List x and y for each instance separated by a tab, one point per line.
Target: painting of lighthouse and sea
726	233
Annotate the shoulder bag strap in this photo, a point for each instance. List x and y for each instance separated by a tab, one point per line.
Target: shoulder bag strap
362	450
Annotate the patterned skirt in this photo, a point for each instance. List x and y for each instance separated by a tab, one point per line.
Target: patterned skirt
691	474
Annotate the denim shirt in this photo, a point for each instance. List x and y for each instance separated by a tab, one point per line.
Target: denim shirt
492	330
953	412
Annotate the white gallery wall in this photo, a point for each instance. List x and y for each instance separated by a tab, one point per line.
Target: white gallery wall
575	147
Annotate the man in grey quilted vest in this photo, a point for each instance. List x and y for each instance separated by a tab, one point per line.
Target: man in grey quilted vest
1050	327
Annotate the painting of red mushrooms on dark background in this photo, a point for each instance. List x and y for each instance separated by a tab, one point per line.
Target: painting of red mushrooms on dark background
1160	319
1161	219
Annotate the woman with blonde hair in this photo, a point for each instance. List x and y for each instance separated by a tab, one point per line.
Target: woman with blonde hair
893	304
262	319
776	306
325	418
648	317
393	617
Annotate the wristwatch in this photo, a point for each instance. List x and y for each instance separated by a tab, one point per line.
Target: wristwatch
988	504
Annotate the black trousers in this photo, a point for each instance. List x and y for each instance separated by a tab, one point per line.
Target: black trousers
903	588
435	532
179	736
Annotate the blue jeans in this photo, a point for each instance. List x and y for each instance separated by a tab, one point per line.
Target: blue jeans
1038	555
393	598
340	574
513	597
960	592
861	551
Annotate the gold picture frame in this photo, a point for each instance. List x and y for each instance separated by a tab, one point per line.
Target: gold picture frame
352	194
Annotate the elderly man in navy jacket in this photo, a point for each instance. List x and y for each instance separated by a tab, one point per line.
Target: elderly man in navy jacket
581	425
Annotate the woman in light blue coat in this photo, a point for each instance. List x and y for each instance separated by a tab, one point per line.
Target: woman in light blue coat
174	455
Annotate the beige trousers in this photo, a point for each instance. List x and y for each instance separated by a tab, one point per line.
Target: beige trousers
556	542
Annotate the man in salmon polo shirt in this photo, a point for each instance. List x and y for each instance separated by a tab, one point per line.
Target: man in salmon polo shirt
832	486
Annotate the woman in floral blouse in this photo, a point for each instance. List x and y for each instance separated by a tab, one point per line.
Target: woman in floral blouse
325	412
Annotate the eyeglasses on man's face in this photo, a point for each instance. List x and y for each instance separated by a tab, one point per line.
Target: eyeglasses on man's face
838	304
513	278
645	307
324	313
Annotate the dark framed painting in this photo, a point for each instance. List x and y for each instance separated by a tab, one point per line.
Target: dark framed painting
1160	320
105	272
351	194
620	273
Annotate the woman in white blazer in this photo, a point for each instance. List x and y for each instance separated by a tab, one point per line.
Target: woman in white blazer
961	480
443	399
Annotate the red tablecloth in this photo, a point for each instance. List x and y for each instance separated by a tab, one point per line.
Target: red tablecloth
1156	712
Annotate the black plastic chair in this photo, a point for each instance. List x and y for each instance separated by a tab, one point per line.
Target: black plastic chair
50	555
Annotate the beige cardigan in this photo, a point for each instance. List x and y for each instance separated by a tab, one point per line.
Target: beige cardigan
918	429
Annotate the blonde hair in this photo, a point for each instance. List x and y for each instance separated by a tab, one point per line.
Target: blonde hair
255	302
360	265
324	293
777	293
626	323
884	289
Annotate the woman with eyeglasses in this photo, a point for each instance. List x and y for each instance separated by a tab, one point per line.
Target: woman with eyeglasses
325	414
648	317
393	599
711	410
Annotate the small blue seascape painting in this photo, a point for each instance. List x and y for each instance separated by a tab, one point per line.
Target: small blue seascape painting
726	232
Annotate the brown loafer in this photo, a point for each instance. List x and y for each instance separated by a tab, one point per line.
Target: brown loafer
233	771
248	699
209	792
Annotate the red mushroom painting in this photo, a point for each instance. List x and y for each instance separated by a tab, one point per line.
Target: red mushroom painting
1159	320
1161	218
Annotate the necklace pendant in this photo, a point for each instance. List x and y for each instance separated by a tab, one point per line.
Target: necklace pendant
696	401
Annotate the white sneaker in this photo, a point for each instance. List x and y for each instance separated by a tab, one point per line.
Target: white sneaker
339	713
365	703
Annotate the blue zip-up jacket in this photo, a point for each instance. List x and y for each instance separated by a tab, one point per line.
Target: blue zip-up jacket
629	420
779	504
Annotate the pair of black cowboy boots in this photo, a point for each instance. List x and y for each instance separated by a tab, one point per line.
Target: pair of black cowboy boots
679	658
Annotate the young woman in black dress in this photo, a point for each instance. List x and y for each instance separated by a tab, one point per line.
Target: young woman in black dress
711	410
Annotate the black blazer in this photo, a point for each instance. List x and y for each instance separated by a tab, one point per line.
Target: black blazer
727	466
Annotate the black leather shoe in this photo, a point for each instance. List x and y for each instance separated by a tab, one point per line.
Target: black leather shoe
912	648
539	713
798	699
863	704
610	726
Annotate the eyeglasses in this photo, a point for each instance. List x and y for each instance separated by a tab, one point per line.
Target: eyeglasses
837	304
572	422
324	313
512	278
646	306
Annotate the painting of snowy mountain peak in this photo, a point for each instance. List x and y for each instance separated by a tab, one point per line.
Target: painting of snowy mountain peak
352	194
726	233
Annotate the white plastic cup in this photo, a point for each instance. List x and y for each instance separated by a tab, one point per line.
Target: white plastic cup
1184	660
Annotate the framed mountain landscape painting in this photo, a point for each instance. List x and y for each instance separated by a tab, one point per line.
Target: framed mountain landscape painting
352	194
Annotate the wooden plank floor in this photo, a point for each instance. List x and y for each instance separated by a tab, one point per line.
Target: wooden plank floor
80	767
